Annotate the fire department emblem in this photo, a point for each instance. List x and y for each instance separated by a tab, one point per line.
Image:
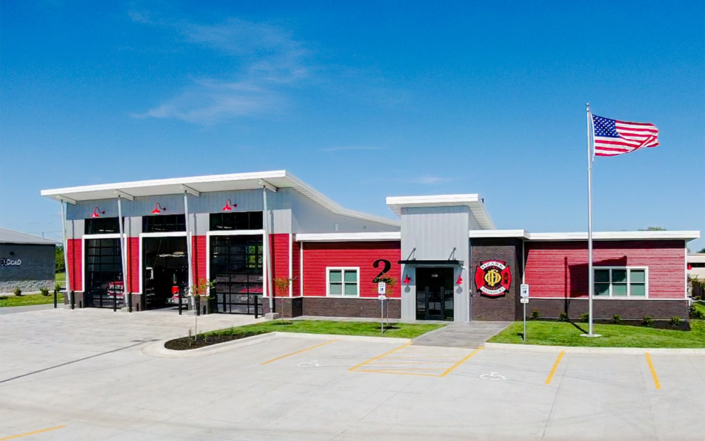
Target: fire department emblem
493	278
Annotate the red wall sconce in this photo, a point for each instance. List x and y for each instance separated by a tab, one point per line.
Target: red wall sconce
97	212
459	281
690	267
158	209
229	205
407	280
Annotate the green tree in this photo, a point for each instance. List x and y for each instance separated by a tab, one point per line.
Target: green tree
59	264
652	229
702	251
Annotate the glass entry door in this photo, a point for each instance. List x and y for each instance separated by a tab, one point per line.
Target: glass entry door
236	267
434	293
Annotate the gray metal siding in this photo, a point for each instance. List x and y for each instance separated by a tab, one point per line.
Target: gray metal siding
35	271
438	233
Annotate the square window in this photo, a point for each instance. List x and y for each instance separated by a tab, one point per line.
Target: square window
335	276
343	282
351	289
619	290
637	290
602	276
602	289
638	276
336	289
350	276
619	276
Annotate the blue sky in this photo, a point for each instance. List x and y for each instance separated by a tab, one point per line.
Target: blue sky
362	100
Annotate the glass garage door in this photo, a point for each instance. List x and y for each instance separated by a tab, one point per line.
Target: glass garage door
104	273
236	268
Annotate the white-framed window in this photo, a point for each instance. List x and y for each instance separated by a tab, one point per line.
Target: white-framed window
343	282
621	282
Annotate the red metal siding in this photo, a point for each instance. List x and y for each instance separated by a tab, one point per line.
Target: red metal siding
319	256
200	257
74	256
133	264
296	267
560	269
279	246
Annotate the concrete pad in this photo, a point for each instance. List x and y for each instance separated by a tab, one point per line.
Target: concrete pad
462	335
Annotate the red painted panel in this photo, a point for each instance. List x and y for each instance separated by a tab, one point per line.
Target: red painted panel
296	267
319	256
279	246
199	258
133	264
560	269
74	256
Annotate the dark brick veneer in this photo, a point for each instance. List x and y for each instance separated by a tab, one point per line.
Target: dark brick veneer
506	307
606	309
332	307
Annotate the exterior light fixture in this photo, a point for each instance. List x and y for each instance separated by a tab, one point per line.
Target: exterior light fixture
229	205
97	212
407	280
158	209
459	281
690	267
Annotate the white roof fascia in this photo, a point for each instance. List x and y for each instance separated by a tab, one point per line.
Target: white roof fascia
238	181
349	237
472	201
696	258
618	235
479	234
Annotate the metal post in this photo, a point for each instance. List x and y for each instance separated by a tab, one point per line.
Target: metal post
591	282
267	252
188	242
55	295
66	254
123	254
523	279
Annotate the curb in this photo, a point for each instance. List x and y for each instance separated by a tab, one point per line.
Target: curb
588	350
157	348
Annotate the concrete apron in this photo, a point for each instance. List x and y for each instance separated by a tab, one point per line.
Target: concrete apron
462	335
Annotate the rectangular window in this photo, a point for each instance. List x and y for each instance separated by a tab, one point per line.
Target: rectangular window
343	282
621	282
101	225
247	220
163	223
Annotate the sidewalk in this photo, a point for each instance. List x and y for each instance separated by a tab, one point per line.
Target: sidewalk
462	335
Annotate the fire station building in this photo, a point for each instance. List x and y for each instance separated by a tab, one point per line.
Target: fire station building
270	242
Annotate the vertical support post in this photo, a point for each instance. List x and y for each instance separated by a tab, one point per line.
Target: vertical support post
188	243
55	296
268	255
591	282
123	254
523	279
68	289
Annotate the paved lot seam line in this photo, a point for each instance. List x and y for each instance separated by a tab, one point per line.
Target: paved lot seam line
31	433
378	357
555	367
74	361
653	372
298	352
475	352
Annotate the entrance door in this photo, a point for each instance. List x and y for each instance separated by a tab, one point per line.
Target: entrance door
236	267
165	263
434	293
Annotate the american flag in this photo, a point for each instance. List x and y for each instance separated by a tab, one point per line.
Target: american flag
614	137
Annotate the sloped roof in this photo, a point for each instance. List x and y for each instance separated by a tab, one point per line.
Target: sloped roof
11	236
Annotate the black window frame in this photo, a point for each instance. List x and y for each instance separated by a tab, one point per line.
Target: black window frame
239	220
101	225
164	223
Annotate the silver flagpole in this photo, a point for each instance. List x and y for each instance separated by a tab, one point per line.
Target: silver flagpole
591	276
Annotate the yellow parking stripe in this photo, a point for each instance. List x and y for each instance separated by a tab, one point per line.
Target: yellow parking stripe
653	372
31	433
297	352
378	357
555	367
462	361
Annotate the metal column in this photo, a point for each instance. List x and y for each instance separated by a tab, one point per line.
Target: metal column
123	253
188	242
69	292
267	252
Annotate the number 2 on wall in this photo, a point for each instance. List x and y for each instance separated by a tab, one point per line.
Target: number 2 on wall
385	270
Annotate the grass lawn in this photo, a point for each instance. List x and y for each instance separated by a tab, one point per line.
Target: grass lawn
699	305
26	300
370	329
60	278
621	336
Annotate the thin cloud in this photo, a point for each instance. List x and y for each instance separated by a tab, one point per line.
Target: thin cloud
429	180
273	62
349	148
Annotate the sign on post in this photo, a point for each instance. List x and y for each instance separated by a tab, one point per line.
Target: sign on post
524	291
381	288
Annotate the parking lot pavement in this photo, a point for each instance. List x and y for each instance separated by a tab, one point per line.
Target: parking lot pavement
326	388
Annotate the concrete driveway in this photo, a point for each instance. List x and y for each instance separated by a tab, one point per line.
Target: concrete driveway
101	385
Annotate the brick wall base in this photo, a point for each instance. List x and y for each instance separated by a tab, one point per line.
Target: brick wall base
332	307
605	309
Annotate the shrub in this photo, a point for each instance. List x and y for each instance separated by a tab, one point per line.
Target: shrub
647	320
17	291
4	297
44	291
563	317
535	314
617	319
675	321
696	313
57	286
584	317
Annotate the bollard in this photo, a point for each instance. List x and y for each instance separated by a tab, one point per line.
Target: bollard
55	295
72	300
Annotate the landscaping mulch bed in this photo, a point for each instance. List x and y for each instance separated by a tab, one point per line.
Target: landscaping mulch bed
186	343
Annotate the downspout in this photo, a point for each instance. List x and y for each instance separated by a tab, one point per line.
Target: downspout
69	291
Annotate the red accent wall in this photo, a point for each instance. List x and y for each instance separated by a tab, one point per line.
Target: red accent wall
133	264
279	246
200	257
560	269
319	256
74	256
296	267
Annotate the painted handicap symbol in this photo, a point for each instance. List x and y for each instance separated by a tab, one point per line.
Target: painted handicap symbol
492	376
308	364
